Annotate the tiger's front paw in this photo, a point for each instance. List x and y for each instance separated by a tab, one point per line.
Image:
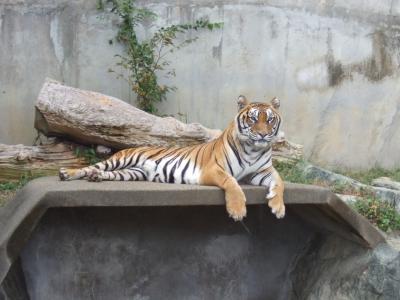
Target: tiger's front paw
277	206
236	209
95	176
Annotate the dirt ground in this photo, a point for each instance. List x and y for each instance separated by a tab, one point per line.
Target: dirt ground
5	196
393	239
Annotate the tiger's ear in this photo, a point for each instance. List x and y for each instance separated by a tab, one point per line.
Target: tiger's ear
275	103
242	102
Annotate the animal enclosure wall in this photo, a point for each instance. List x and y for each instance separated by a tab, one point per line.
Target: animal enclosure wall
161	253
333	64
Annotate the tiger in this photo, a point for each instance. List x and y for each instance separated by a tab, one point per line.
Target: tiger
242	152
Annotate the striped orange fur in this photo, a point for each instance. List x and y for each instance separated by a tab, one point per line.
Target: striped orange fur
242	152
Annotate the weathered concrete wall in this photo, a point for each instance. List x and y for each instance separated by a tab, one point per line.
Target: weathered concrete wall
150	253
334	64
60	39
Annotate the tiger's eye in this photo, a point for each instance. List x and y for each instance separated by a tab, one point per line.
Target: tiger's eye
252	119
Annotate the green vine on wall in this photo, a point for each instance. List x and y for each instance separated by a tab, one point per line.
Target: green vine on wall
145	59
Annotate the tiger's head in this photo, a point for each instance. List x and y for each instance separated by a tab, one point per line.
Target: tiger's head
257	123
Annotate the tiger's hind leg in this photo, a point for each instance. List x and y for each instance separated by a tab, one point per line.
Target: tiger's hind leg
131	174
122	160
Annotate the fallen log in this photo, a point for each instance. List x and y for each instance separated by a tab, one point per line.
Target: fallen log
286	151
92	118
19	161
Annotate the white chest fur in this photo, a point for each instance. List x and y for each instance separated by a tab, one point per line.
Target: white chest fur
249	163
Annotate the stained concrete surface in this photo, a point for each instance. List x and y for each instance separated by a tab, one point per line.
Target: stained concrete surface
333	64
161	253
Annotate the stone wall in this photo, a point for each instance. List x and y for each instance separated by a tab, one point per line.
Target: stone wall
334	64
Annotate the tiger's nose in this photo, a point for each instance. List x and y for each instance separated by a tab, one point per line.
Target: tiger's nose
263	135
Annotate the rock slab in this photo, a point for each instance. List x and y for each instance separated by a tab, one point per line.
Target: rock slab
332	268
386	182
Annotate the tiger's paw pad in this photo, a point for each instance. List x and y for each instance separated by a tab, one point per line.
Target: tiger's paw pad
236	210
64	174
277	208
95	176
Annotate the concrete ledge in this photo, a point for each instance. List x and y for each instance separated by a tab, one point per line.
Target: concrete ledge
317	206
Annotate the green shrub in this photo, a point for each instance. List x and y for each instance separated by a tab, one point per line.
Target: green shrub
380	213
144	60
292	172
12	186
9	186
89	154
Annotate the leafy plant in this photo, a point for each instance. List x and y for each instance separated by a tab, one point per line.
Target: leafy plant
89	154
380	213
9	186
100	5
347	189
292	172
14	185
147	58
8	189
